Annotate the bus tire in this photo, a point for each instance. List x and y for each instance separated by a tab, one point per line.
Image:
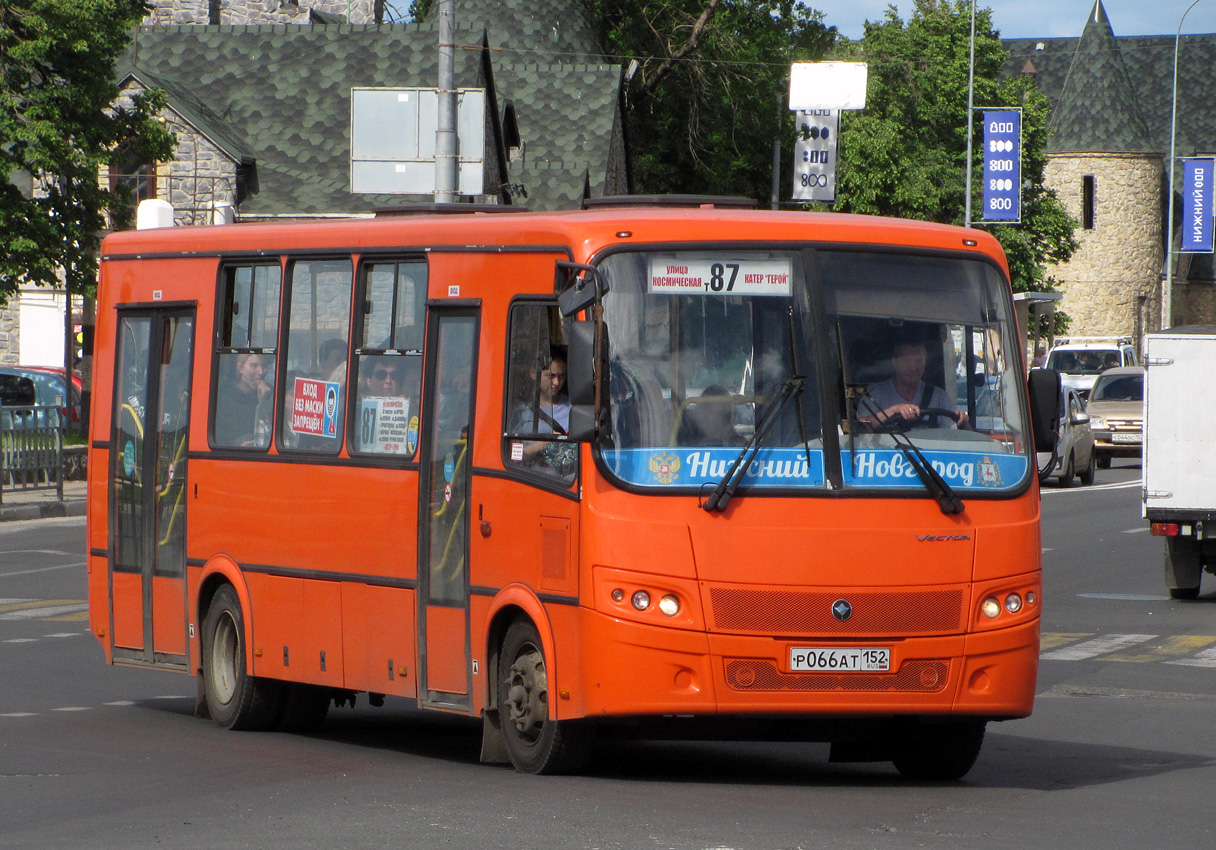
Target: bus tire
535	742
1183	567
304	708
235	699
938	752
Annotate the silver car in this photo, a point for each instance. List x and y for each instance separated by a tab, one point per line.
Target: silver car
1116	411
1076	455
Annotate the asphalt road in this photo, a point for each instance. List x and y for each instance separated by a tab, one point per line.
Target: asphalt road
1118	754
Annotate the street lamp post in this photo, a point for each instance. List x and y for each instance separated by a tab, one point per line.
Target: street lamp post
1167	295
970	113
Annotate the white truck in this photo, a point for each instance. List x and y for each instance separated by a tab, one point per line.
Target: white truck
1180	452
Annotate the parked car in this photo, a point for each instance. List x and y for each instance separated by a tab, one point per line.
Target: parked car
1076	455
1116	413
1080	360
48	387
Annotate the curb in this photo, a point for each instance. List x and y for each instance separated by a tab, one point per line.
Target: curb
46	510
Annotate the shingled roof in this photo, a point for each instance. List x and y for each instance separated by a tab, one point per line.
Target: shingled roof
281	95
1112	93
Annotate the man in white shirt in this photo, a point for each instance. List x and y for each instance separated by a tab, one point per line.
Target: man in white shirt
899	400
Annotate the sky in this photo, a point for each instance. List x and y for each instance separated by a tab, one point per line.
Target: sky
1041	18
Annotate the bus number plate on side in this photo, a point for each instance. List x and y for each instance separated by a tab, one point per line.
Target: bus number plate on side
814	659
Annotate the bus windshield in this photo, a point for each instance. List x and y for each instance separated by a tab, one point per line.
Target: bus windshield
704	342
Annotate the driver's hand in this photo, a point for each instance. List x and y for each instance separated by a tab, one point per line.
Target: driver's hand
961	419
906	411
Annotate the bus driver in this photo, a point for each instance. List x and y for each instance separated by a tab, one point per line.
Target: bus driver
900	399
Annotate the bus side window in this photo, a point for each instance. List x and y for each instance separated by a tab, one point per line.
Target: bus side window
243	390
318	298
537	410
387	371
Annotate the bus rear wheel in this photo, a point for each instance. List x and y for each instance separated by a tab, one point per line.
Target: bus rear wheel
235	699
938	752
536	743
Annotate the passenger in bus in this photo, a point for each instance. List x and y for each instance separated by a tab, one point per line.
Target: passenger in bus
242	408
709	419
899	400
332	357
382	376
549	414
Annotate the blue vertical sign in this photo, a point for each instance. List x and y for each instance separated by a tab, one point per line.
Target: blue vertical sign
1197	206
1002	165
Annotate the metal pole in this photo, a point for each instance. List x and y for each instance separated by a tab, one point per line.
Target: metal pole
776	193
1167	295
445	133
970	108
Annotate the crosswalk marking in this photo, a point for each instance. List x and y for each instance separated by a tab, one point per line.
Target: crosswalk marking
42	609
1052	640
1207	658
1095	647
1172	647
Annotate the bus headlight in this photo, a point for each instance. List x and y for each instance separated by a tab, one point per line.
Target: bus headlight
669	605
1013	603
641	600
991	608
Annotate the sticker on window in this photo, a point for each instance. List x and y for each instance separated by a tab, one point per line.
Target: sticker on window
386	427
725	276
314	408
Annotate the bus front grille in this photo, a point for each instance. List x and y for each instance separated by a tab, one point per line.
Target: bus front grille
871	613
762	675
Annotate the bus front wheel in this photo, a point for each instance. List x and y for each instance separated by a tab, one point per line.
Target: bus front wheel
235	699
536	743
938	751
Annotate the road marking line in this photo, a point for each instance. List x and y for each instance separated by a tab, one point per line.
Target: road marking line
71	618
1171	647
21	640
1126	485
1135	530
1053	639
1125	597
1207	658
1096	647
15	601
62	634
42	569
123	702
72	708
18	714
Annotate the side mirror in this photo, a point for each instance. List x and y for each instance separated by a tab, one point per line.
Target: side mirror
587	379
1046	391
577	286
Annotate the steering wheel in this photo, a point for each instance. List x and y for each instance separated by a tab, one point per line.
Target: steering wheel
927	415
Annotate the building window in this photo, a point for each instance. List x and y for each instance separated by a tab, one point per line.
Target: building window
133	181
1087	202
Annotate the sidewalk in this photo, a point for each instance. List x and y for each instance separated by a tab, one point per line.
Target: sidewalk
38	504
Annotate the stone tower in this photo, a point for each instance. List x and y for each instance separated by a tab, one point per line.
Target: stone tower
1103	164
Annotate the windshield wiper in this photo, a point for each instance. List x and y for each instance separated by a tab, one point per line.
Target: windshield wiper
726	488
947	500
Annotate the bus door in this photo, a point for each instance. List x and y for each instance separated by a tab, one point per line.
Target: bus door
443	516
147	491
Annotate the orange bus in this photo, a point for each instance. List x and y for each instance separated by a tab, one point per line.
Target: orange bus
630	467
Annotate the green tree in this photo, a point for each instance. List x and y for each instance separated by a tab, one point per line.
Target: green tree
708	94
60	123
905	153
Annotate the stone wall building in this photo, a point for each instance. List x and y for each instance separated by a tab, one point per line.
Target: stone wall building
1107	161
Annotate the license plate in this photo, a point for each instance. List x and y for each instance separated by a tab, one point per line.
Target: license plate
815	659
1126	438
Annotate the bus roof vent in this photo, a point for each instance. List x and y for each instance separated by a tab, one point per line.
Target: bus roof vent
707	202
446	209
